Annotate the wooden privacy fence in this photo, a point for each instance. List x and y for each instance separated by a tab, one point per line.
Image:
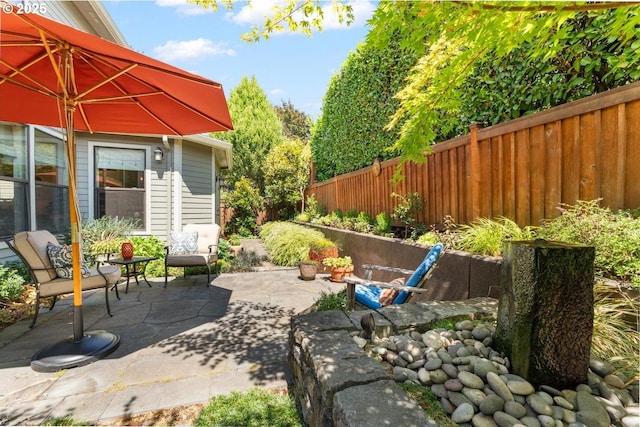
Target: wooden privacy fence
522	169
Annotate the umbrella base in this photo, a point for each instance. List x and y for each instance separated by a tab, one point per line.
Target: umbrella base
69	353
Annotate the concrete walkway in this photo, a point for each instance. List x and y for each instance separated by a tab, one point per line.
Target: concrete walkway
180	345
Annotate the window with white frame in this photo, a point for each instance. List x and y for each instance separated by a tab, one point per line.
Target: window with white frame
120	187
51	183
14	212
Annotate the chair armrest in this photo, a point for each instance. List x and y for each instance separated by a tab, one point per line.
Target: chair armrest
98	264
213	246
368	270
166	251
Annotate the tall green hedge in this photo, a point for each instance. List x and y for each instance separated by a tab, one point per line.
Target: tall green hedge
350	133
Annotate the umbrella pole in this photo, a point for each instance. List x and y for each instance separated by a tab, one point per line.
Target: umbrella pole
82	348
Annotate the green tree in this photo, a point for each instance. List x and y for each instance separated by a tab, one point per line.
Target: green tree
298	16
295	123
246	203
257	130
286	173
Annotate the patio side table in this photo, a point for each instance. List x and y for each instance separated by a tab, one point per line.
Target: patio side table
134	267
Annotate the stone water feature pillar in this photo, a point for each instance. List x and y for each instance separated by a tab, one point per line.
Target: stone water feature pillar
545	313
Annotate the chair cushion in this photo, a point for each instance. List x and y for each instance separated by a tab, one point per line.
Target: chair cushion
184	243
32	246
188	260
418	274
208	235
60	286
62	260
369	296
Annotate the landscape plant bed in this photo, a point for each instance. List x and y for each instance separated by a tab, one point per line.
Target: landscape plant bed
459	275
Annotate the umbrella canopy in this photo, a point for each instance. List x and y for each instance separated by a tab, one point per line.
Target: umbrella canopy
112	88
55	75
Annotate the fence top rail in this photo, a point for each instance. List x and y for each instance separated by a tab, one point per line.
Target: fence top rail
620	95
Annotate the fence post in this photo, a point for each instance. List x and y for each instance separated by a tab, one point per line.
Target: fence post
475	171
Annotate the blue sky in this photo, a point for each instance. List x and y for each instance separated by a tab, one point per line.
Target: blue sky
287	66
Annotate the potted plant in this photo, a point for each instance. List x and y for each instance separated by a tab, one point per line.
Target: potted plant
321	249
338	265
235	244
308	269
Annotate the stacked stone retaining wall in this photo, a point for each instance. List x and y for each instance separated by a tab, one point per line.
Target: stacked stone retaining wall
337	384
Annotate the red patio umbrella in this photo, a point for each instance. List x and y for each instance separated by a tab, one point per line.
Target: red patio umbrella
55	75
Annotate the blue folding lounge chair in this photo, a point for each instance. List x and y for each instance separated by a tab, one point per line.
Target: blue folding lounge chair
368	292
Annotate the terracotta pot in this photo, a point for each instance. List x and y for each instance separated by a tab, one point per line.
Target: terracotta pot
127	250
337	273
308	271
318	256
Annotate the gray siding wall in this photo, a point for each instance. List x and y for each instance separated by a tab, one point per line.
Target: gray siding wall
159	185
197	184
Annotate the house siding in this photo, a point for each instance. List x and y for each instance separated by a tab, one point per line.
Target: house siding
197	184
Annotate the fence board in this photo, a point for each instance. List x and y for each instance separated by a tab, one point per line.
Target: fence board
632	176
588	157
508	176
553	176
522	169
570	159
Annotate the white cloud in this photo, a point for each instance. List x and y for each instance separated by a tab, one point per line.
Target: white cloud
183	7
191	50
255	12
277	92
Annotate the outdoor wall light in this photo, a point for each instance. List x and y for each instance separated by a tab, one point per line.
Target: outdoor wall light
158	154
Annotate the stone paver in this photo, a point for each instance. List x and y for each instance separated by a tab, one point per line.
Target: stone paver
179	345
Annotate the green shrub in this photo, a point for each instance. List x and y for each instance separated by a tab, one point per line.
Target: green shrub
255	408
615	338
407	210
428	401
615	236
332	301
150	246
486	236
234	240
10	284
20	269
429	238
313	208
303	217
244	262
383	224
64	421
105	235
224	250
334	219
288	243
246	203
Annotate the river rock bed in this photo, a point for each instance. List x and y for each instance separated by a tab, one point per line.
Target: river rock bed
475	387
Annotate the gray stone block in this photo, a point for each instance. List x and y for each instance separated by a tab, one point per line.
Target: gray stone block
382	403
408	317
322	321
